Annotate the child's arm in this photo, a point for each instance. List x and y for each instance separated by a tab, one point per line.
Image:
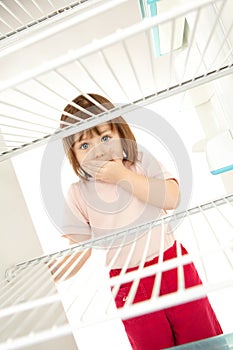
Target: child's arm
161	193
63	266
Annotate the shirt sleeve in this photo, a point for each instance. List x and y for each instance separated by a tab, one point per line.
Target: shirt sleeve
75	221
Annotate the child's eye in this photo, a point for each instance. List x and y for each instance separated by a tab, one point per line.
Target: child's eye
84	145
105	138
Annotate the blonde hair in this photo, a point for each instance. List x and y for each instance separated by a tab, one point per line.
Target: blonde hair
119	124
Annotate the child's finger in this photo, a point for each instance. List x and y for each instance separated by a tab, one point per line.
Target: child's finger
94	164
92	167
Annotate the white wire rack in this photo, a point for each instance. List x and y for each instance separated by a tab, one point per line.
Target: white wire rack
18	16
29	291
32	100
32	21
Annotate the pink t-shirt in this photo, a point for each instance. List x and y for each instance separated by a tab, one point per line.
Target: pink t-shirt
99	209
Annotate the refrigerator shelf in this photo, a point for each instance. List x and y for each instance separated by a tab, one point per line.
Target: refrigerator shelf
32	98
29	288
18	17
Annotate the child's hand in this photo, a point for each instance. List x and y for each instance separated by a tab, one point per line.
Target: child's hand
111	171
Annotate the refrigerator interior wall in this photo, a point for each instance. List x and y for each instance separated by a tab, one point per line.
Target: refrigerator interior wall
32	97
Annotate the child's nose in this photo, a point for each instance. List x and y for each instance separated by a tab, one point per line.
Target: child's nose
98	151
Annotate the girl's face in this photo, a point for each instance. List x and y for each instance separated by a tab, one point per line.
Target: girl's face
105	146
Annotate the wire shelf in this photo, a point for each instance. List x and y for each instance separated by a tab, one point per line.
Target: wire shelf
30	302
32	101
18	17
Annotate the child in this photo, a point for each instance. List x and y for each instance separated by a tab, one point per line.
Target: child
121	187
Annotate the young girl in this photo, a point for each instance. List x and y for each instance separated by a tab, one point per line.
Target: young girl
120	187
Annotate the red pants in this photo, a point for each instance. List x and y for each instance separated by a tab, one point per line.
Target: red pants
175	325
